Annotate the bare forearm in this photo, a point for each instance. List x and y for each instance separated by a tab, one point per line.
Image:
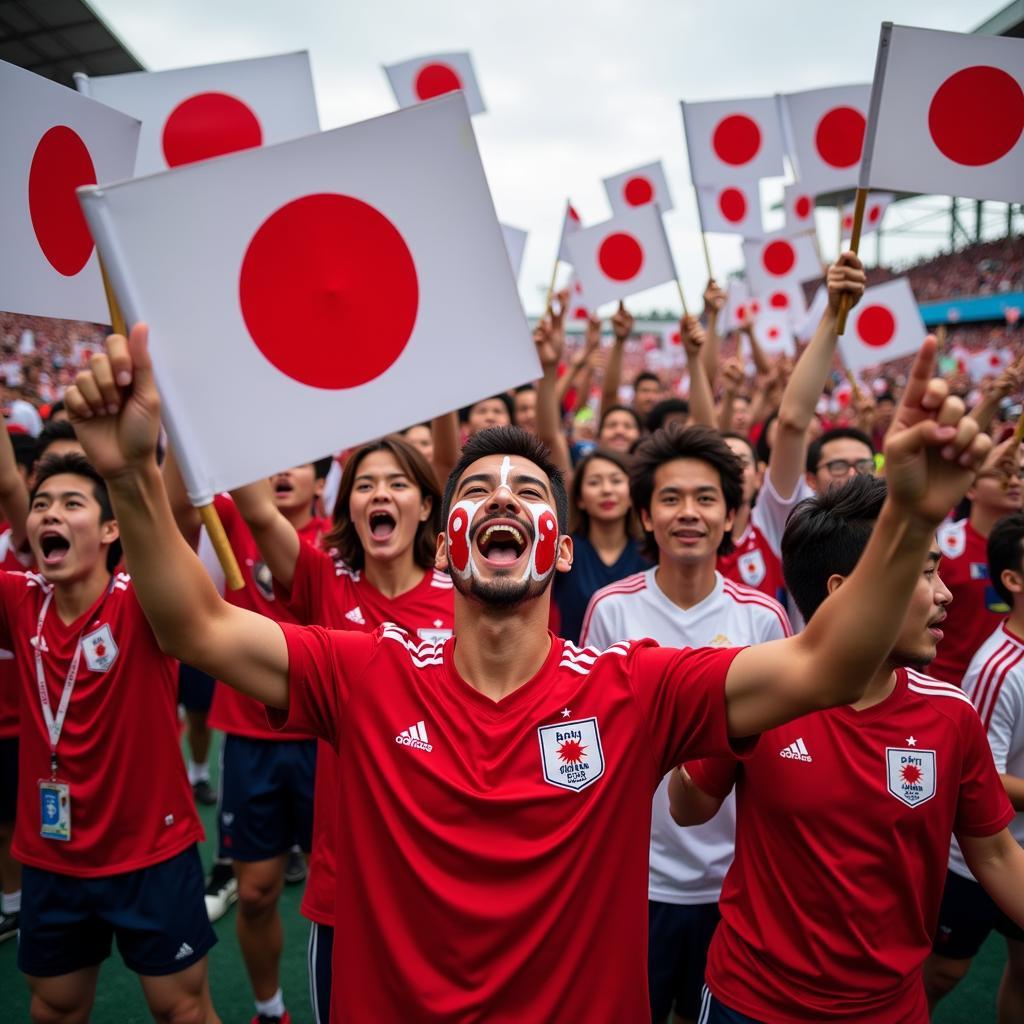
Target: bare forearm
612	376
1014	787
712	347
549	421
702	405
807	381
185	515
997	862
444	432
725	412
276	538
760	360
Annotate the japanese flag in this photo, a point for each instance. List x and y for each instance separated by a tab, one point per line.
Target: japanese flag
733	140
825	129
990	363
874	210
886	324
787	297
515	246
737	300
53	141
571	223
302	297
578	308
779	259
947	115
622	256
773	330
191	114
798	203
424	78
730	209
638	187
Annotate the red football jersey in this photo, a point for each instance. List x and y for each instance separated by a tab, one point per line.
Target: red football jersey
9	689
326	592
494	860
843	824
976	609
232	711
131	803
754	564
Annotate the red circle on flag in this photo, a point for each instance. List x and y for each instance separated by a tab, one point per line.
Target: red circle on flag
839	137
848	222
59	165
755	307
977	115
736	139
733	204
876	326
802	206
873	214
638	191
206	125
620	256
741	312
773	332
779	300
435	79
778	258
328	291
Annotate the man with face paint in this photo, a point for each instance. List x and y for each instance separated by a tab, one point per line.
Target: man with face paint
497	785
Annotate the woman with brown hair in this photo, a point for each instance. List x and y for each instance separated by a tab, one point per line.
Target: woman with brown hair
374	566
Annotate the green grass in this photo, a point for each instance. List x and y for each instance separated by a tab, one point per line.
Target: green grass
119	999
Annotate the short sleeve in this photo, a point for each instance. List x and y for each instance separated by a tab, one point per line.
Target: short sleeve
1002	722
714	775
982	806
595	631
323	667
772	511
682	700
305	599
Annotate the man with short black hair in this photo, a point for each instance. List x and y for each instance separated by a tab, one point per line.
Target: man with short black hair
648	391
838	455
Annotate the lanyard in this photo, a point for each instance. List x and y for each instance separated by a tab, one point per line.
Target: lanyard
55	725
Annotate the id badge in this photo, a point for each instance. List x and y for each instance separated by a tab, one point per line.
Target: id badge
55	810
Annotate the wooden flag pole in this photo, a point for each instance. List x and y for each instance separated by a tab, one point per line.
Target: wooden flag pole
207	513
858	220
839	210
551	287
682	297
707	255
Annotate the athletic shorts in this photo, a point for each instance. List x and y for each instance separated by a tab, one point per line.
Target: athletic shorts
714	1012
158	915
266	797
321	950
678	937
8	779
966	917
195	688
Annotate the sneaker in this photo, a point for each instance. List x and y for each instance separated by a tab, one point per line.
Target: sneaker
262	1018
8	926
203	793
221	891
295	870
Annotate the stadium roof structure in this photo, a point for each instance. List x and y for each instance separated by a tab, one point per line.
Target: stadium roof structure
56	38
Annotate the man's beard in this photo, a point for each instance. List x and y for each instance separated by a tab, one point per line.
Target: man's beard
503	592
917	660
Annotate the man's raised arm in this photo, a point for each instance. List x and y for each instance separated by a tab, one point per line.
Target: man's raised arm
932	453
115	410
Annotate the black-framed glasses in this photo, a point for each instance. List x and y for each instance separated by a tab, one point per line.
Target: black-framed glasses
841	467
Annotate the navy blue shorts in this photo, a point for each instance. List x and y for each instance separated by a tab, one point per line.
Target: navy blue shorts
321	949
714	1012
158	915
678	938
967	915
195	688
8	779
266	797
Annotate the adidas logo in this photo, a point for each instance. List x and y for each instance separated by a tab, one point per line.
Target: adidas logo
186	950
356	616
415	736
796	751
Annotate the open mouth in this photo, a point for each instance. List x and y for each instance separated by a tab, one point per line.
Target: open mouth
688	535
382	525
502	543
54	548
282	488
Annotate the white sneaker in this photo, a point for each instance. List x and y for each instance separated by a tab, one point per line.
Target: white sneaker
221	891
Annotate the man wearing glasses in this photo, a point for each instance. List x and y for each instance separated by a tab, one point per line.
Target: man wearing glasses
977	607
837	456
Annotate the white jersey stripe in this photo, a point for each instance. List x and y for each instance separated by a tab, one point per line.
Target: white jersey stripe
990	683
990	668
928	692
995	686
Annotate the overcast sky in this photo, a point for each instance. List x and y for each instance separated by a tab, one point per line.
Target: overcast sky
575	91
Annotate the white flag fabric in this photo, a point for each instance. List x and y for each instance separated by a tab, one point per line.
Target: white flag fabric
874	212
825	132
578	308
808	324
622	256
638	187
786	297
730	209
774	332
990	363
515	245
947	115
195	113
886	324
737	298
425	78
571	223
53	141
778	259
798	204
301	297
733	140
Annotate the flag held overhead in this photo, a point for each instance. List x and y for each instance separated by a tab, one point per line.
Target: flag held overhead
426	78
886	324
733	140
638	187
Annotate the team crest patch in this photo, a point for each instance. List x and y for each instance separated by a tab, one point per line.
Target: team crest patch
953	540
752	567
910	774
570	754
264	580
99	649
434	636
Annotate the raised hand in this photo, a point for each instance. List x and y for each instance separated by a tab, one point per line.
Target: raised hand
932	450
549	343
733	376
845	277
714	300
114	406
622	323
592	335
692	335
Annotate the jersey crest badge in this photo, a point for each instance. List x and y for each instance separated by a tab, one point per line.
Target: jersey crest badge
264	580
953	540
570	754
911	774
752	568
99	649
434	636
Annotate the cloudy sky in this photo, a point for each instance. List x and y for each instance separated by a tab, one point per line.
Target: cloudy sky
575	91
